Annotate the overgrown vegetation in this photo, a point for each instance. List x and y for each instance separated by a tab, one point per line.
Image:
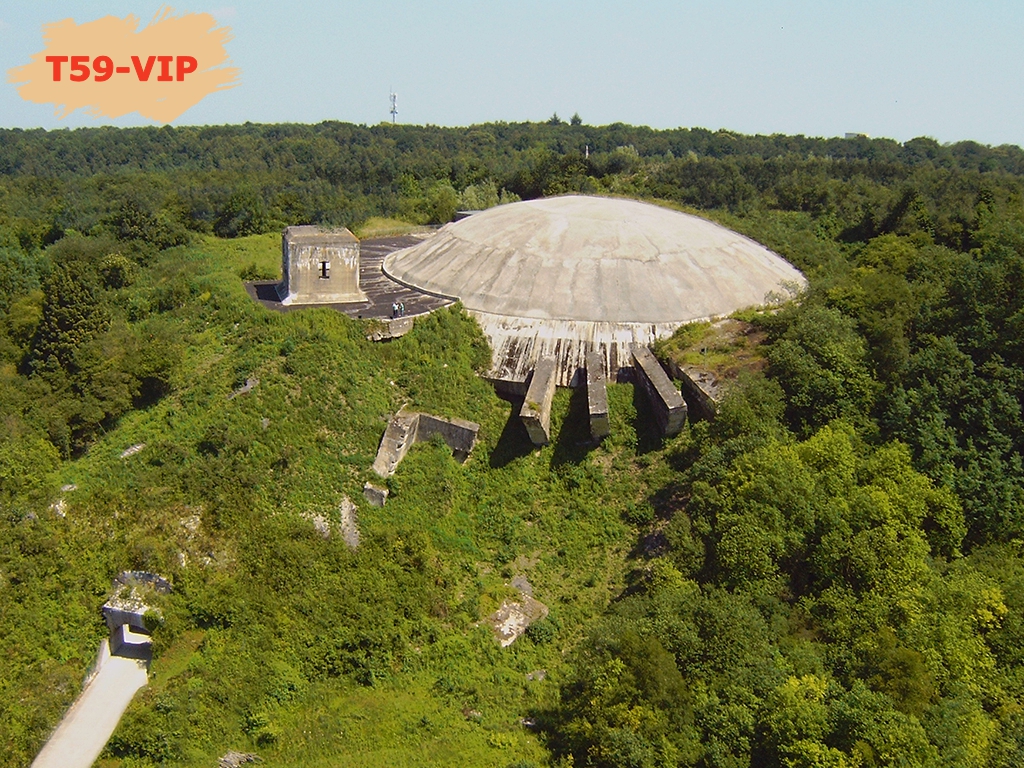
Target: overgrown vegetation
829	574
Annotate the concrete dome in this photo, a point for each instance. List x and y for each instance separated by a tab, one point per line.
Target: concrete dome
593	259
574	271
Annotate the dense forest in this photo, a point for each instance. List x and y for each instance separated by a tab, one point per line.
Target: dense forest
830	573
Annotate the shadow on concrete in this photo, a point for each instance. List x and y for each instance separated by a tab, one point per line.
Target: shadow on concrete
265	290
573	441
514	441
137	651
648	435
128	644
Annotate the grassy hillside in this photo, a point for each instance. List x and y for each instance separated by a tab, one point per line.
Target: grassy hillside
281	642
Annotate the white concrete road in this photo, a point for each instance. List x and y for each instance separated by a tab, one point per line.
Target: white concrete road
87	726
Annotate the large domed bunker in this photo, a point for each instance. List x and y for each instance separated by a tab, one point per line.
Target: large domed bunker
566	275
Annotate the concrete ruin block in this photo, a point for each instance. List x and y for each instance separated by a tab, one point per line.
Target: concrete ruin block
458	434
376	496
349	523
409	427
129	605
398	438
666	402
319	266
699	387
536	411
514	617
597	397
393	328
234	759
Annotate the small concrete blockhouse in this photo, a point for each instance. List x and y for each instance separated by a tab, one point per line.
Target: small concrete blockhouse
319	266
127	605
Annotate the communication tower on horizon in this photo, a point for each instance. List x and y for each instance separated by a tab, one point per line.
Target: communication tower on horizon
394	106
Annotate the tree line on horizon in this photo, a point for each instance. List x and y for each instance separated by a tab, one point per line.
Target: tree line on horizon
236	180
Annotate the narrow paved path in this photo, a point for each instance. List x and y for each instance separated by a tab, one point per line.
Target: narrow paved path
87	726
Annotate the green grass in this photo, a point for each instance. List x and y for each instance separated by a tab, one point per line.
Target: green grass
405	725
725	348
279	642
261	252
380	226
175	660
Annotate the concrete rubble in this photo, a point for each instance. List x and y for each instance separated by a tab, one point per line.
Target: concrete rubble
377	496
250	383
320	524
234	759
349	523
395	328
407	428
132	450
514	617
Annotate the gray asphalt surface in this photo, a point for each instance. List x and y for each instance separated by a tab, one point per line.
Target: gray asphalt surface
87	726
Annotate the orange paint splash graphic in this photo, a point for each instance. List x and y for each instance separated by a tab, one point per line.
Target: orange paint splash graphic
159	72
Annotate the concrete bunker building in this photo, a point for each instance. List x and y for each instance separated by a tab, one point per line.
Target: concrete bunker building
319	266
569	276
569	290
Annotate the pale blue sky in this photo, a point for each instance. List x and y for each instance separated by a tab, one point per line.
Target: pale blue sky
950	70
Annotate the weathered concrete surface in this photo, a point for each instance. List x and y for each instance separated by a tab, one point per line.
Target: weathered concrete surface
319	266
130	644
234	759
513	618
398	438
380	290
597	397
517	342
700	390
132	450
458	434
565	275
390	329
593	259
250	384
666	402
349	523
377	496
85	729
536	411
128	604
409	427
321	523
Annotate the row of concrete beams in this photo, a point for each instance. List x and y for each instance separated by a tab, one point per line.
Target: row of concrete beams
667	404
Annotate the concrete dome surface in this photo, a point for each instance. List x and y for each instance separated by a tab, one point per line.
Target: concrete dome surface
593	259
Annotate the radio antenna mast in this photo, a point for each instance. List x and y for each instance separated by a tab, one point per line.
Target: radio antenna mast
394	106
